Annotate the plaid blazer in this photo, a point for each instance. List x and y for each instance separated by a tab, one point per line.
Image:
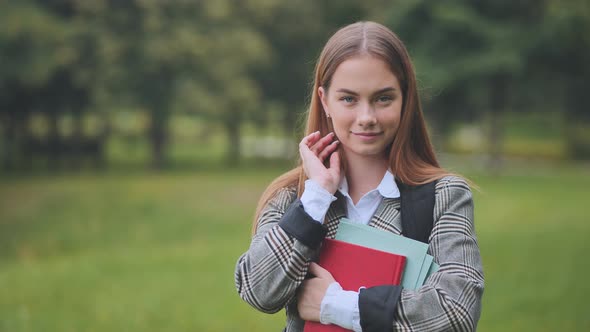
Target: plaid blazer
268	274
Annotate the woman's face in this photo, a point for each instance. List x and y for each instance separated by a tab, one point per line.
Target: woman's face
364	101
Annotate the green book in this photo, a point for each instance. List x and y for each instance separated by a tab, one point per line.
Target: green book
433	268
418	266
428	268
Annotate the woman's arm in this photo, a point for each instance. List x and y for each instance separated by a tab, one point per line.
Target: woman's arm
451	297
286	240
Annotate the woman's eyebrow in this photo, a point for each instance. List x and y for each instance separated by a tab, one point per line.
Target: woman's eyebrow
387	89
347	91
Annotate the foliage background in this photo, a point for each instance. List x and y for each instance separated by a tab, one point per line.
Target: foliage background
136	137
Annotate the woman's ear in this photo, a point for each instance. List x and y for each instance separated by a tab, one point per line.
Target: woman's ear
323	98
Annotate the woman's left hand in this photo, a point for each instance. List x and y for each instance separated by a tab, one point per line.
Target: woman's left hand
312	293
314	151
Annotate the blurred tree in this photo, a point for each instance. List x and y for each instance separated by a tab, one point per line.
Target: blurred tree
195	56
226	90
34	46
140	57
231	61
558	65
473	56
144	53
50	68
293	30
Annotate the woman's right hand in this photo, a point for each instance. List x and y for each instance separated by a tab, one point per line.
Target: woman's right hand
314	150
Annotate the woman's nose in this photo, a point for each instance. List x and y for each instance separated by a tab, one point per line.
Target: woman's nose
366	115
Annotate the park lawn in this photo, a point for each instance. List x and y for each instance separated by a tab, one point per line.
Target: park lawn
156	252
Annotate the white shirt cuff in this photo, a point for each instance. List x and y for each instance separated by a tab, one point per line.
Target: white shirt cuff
340	307
316	200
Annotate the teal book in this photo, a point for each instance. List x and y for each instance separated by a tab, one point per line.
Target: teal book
433	268
428	260
428	268
419	265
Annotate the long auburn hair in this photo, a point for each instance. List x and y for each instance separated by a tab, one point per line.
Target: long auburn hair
411	156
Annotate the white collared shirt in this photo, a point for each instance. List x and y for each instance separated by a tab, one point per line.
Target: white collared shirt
316	200
338	306
367	205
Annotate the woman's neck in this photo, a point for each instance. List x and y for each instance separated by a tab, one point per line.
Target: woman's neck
364	174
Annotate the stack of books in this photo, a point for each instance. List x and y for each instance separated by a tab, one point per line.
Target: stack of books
364	256
419	265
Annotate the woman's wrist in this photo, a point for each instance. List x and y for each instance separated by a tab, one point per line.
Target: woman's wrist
340	307
316	200
327	184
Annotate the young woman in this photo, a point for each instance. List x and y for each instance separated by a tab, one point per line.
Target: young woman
365	134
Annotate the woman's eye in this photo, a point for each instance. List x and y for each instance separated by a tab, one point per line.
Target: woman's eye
347	99
384	99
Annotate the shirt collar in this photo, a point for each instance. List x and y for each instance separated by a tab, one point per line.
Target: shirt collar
387	188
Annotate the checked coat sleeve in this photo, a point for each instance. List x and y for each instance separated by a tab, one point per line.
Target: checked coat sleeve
450	299
286	240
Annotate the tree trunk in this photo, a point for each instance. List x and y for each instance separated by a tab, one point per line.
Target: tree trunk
577	120
23	144
104	133
7	156
291	131
77	140
289	122
158	137
439	123
234	139
498	100
54	147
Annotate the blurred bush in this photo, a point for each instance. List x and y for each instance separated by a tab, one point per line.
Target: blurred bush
77	75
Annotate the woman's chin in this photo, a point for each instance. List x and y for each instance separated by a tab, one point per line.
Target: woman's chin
368	152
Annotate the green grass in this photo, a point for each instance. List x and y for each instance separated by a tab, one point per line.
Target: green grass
156	252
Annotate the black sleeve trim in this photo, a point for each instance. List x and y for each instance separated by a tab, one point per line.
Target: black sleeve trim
377	307
297	223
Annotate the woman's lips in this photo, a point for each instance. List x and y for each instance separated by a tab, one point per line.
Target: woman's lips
367	136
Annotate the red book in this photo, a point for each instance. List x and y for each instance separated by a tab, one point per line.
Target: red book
355	266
